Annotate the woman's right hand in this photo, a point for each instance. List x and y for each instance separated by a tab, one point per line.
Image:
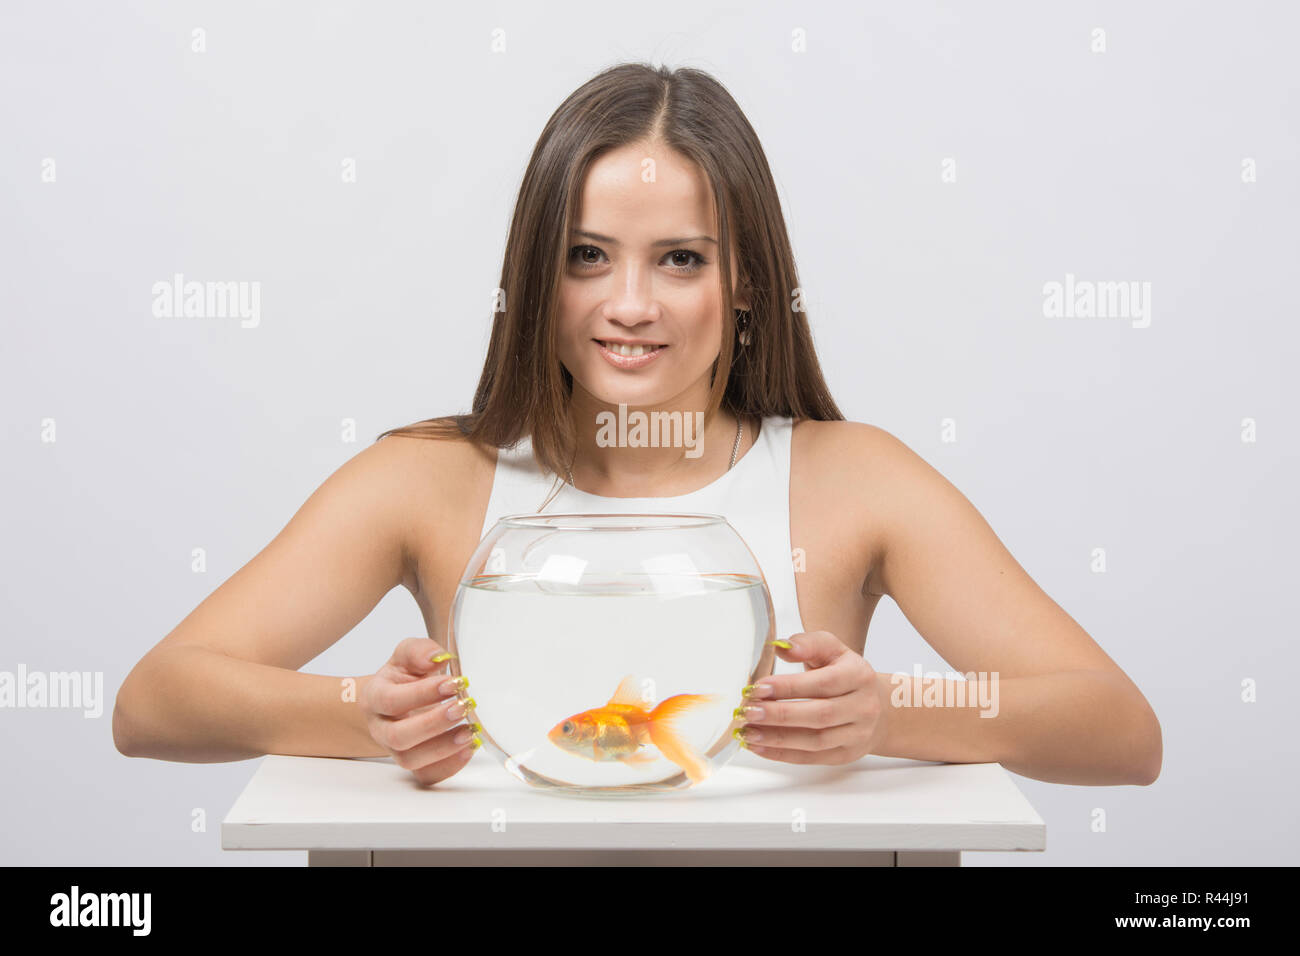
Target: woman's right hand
408	714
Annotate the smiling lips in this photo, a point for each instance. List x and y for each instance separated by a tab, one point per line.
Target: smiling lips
629	356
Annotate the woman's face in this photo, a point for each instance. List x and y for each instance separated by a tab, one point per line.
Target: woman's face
643	267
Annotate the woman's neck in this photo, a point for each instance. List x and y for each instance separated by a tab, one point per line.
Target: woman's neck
651	452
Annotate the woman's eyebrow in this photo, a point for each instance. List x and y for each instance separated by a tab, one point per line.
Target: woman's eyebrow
659	242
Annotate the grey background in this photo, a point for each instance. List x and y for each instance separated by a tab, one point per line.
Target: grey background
925	297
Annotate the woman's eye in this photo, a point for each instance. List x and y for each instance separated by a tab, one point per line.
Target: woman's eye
581	256
579	252
696	261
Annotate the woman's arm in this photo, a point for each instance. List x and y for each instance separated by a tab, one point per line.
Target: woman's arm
224	685
189	703
1066	713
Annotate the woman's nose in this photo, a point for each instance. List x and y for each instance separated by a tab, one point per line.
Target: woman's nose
632	296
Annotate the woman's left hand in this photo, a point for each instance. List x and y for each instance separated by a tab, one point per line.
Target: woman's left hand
844	718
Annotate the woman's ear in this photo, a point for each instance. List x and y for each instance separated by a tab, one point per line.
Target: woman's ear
740	296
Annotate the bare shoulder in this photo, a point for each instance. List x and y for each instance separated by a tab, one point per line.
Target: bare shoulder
864	482
878	470
444	484
438	470
845	448
435	476
921	519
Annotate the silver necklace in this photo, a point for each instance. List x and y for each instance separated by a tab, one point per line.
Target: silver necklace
740	428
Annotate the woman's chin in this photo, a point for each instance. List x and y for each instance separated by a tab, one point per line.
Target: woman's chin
628	400
620	393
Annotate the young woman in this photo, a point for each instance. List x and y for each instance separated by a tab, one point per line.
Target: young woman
648	266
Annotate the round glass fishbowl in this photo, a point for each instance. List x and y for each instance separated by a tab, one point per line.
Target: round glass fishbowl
607	653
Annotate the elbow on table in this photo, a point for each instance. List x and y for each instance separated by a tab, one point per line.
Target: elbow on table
1152	749
130	732
123	737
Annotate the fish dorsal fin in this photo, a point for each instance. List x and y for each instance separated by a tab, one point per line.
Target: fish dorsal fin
627	693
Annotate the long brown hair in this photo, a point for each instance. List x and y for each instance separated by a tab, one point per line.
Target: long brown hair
524	389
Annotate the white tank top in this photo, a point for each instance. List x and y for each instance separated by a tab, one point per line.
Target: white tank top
753	495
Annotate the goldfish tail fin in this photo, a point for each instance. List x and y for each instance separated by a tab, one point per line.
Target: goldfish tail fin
666	738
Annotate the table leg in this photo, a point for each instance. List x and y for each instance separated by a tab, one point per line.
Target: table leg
633	858
927	858
339	858
684	857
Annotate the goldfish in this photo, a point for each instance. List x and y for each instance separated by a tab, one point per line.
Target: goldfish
623	726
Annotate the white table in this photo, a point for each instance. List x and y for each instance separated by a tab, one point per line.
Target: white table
879	811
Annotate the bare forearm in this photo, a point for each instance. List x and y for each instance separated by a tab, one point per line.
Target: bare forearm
1078	727
191	704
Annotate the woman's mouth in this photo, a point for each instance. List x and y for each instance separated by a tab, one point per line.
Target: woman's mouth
628	356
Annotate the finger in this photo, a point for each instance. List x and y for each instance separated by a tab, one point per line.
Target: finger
790	755
815	712
403	733
442	769
436	749
413	656
813	648
800	738
392	699
842	675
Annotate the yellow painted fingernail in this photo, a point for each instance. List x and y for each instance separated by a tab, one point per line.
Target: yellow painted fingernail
784	645
444	656
475	727
461	682
470	703
736	733
475	743
739	712
748	690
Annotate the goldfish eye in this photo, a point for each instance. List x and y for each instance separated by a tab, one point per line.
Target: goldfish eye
568	727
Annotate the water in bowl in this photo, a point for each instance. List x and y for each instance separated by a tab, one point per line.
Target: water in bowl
538	652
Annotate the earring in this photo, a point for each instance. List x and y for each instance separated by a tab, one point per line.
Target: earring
742	325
